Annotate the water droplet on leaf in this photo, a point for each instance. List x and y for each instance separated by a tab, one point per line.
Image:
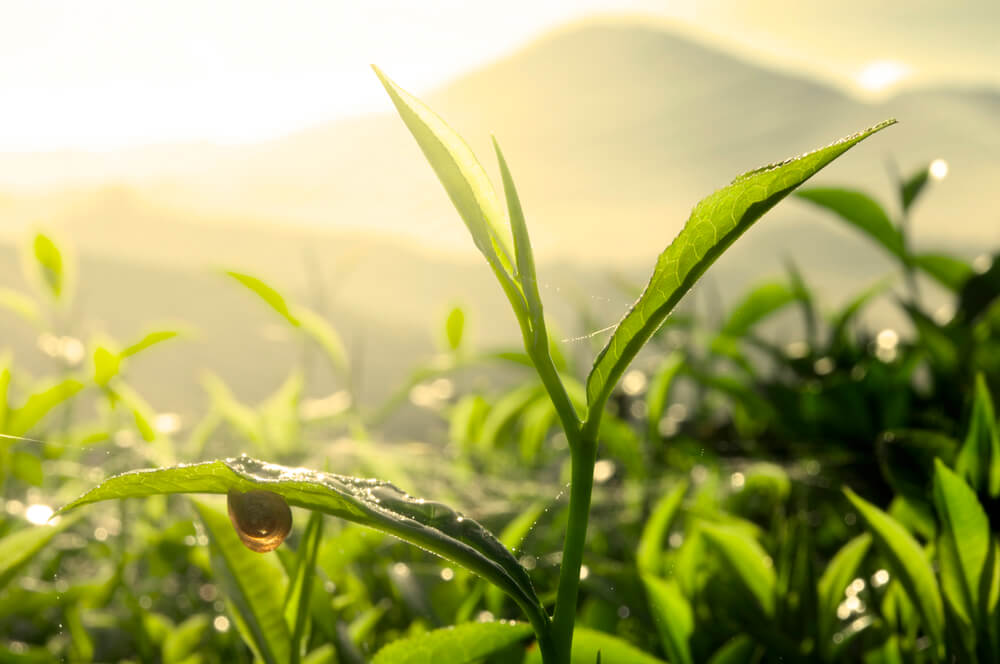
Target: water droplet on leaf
262	519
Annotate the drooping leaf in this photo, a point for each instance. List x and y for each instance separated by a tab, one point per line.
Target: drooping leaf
963	543
830	589
907	562
673	616
747	560
466	183
251	587
649	553
459	644
380	505
860	211
715	223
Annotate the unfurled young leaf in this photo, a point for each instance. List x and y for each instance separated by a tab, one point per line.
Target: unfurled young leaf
715	223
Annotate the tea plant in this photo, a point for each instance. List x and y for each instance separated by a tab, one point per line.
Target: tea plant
271	616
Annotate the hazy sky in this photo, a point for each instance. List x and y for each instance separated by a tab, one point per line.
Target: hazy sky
101	75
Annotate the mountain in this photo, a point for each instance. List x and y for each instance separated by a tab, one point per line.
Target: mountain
613	131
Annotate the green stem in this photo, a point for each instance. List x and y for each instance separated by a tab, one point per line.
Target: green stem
584	454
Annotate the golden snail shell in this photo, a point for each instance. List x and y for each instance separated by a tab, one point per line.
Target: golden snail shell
262	519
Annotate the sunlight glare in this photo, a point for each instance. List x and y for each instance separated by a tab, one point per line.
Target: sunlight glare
880	75
938	169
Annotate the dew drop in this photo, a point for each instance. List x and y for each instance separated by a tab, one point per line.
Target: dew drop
262	519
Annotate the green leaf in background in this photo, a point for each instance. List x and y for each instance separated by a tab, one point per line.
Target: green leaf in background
297	599
715	223
950	272
20	304
860	211
673	616
266	293
4	388
830	590
738	650
649	553
454	327
252	585
758	304
18	548
106	365
21	420
907	562
748	561
842	319
185	639
963	542
978	460
659	392
512	536
466	183
149	340
590	646
50	262
910	189
142	412
380	505
459	644
325	336
27	467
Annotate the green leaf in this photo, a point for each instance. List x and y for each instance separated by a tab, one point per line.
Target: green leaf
18	548
748	561
715	223
466	183
758	304
380	505
28	468
454	326
830	590
842	319
907	562
150	339
21	420
526	275
963	543
297	599
20	304
659	392
860	211
459	644
50	261
253	587
738	650
911	188
141	411
950	272
978	459
511	537
325	336
266	293
589	645
649	553
673	616
106	365
186	638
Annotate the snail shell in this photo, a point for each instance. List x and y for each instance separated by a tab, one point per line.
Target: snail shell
262	519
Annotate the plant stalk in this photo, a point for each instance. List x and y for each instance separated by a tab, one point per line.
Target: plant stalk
584	454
